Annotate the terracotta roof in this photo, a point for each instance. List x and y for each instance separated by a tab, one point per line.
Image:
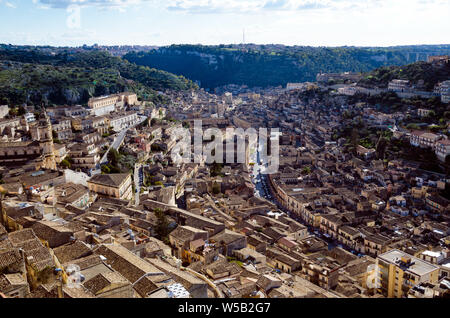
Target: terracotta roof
32	246
9	257
111	180
99	282
72	251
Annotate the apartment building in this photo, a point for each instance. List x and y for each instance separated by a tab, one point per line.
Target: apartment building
398	272
122	121
398	85
423	139
442	149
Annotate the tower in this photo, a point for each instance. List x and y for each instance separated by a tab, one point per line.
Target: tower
42	132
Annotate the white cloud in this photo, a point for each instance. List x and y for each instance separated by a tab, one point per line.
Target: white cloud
243	6
246	6
9	4
63	4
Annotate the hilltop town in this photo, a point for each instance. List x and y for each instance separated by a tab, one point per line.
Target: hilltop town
93	204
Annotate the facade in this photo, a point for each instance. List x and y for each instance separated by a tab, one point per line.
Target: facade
103	105
445	91
423	112
398	272
42	132
9	123
18	153
442	149
106	104
398	85
325	77
4	110
63	129
122	121
423	139
29	117
113	185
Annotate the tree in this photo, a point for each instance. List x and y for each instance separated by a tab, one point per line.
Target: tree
21	111
106	169
306	170
113	157
162	225
216	188
354	140
381	147
65	163
216	169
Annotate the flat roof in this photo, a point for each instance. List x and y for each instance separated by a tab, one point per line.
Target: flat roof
419	267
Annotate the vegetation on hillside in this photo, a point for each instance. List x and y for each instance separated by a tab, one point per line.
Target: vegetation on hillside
36	77
430	75
270	65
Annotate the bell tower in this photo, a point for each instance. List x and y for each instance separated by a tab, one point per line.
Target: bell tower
43	133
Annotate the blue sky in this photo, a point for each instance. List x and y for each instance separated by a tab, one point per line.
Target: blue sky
163	22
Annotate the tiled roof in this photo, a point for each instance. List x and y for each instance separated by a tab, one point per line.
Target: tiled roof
103	280
32	246
129	265
111	180
72	251
9	257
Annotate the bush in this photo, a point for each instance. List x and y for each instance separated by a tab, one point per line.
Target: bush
65	163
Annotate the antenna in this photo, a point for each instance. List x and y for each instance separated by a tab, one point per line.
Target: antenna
243	36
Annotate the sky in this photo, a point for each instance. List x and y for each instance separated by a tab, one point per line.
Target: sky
165	22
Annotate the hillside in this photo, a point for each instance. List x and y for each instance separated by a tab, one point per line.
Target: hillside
36	76
429	73
273	65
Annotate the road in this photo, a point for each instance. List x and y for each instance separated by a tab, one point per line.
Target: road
138	181
214	206
264	190
119	140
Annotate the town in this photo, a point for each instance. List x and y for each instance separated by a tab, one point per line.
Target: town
93	204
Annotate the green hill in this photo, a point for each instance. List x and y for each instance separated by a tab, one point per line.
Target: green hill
273	65
431	74
36	76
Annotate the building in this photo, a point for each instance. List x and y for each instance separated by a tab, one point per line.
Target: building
4	110
105	104
398	272
122	121
29	117
442	149
42	132
18	153
63	129
398	85
423	139
423	112
11	124
346	76
444	90
438	59
112	185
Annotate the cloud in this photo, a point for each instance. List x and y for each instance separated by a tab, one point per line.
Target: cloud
239	6
63	4
256	6
9	4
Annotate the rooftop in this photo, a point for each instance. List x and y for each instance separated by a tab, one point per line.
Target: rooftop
416	266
